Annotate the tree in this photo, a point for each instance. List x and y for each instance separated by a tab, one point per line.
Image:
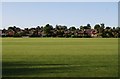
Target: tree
118	28
47	29
97	26
72	28
102	25
63	31
108	32
64	27
88	26
108	28
81	27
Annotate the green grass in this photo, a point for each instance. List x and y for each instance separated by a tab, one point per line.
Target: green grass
60	57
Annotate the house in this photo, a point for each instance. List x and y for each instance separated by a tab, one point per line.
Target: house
91	32
10	32
94	33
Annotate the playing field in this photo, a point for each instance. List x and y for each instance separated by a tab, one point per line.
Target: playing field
60	57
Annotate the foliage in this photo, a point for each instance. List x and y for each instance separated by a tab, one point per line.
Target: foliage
62	31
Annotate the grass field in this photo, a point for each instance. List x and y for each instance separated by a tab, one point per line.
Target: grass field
60	57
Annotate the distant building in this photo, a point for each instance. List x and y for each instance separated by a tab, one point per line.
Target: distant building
10	32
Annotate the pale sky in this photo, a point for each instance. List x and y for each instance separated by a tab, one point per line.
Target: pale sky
32	14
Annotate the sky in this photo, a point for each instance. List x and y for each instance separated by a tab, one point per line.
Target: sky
32	14
60	0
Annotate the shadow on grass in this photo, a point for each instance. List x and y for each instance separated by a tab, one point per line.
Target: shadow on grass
19	69
27	69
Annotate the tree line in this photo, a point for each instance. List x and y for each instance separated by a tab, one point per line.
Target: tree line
99	30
